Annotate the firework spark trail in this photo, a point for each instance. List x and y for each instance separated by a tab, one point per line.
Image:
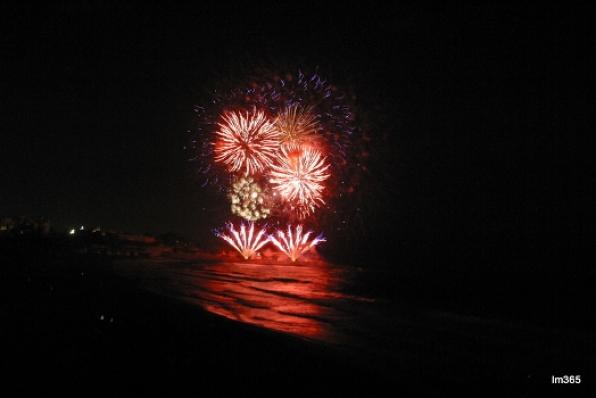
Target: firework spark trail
297	126
295	244
298	177
247	244
247	142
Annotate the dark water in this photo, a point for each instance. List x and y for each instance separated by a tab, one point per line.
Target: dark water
308	301
316	302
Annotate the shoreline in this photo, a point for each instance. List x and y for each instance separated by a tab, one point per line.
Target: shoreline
73	316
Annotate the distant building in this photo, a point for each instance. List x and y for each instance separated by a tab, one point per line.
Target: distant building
6	224
23	225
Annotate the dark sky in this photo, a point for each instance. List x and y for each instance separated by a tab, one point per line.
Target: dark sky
467	107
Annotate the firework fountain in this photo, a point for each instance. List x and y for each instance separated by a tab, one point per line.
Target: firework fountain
245	241
294	244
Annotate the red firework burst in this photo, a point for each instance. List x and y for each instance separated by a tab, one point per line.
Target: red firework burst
246	142
298	175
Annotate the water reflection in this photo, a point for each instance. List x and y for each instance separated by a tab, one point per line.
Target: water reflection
304	300
289	298
313	301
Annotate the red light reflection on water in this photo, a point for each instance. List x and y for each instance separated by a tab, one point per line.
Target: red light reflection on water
301	299
285	298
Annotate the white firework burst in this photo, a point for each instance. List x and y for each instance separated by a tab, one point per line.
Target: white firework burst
246	142
298	177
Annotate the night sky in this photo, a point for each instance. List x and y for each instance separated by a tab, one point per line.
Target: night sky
471	146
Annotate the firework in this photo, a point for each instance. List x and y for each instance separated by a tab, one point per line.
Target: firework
248	199
298	176
294	134
246	142
245	241
276	93
295	244
297	126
